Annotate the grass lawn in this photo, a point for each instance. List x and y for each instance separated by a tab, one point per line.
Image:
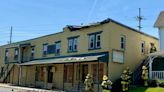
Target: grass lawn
144	89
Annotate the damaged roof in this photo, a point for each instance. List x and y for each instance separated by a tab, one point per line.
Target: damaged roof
75	27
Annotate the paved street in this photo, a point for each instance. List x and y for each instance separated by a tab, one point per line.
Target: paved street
8	88
4	89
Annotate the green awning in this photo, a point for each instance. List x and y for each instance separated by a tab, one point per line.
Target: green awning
63	60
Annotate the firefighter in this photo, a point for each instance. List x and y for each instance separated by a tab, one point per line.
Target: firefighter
129	73
106	84
152	48
145	75
124	81
88	83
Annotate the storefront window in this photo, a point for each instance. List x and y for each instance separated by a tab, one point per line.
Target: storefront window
95	72
40	74
68	72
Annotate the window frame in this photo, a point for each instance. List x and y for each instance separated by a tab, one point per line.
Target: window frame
98	41
123	43
6	55
91	37
72	43
57	43
143	45
45	50
95	40
16	54
32	52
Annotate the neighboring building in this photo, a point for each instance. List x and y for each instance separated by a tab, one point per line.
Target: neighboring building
62	60
156	69
160	25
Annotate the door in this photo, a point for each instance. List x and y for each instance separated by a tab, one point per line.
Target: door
84	71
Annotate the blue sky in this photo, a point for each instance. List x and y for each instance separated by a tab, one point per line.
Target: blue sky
34	18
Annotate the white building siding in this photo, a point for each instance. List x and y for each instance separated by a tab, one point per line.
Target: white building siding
161	37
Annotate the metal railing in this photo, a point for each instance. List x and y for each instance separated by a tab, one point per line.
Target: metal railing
5	71
157	74
136	76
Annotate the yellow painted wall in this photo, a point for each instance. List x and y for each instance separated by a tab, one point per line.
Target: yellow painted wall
110	40
30	76
58	76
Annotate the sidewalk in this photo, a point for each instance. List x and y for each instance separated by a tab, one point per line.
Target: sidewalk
22	89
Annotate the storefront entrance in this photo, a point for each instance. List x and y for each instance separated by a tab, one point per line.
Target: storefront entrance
84	71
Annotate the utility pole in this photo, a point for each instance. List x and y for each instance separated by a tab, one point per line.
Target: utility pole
139	19
11	29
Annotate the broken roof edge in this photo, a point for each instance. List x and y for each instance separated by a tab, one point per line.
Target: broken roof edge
85	26
76	27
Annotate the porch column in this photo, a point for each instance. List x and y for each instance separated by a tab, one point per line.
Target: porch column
46	77
63	76
20	75
79	79
73	75
98	72
150	66
26	75
107	68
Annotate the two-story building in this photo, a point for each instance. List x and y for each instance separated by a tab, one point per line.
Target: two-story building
62	60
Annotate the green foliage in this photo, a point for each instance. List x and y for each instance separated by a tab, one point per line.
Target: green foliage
148	89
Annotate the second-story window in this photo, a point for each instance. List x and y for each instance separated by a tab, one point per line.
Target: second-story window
122	42
95	41
45	49
16	54
32	53
91	41
143	47
72	44
6	55
57	48
98	41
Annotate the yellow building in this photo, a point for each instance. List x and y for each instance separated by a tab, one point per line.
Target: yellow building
62	60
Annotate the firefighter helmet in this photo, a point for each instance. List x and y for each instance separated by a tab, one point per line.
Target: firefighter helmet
105	77
88	76
144	67
127	68
124	71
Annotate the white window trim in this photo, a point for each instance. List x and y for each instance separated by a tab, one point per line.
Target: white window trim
143	48
70	44
32	50
16	51
90	40
75	43
124	42
57	46
98	41
45	47
7	53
